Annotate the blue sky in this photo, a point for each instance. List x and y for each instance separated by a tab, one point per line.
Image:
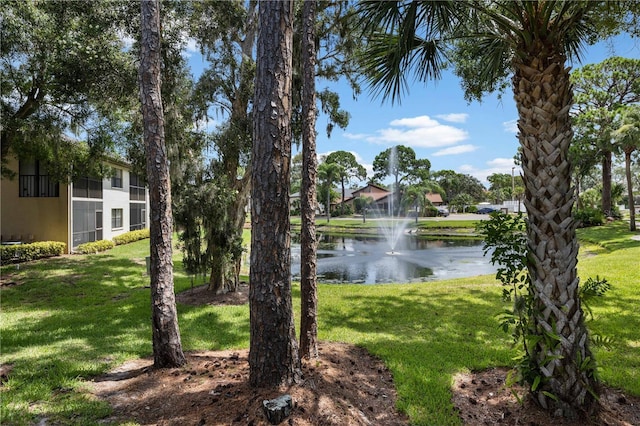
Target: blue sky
434	119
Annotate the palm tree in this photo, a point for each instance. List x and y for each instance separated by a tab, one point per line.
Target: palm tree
531	40
414	196
329	173
628	136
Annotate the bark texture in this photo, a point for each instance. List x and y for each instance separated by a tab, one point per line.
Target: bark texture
607	163
632	205
167	347
225	271
543	96
308	239
273	352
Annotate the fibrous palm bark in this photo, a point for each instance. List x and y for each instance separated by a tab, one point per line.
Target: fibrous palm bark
561	354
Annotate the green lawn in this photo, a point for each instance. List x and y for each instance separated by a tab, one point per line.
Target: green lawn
75	317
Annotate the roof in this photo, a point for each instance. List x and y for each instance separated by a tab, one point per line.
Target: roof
434	198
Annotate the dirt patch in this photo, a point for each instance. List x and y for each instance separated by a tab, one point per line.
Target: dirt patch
483	399
345	386
8	279
199	295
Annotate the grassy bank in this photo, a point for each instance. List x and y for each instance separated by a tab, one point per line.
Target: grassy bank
68	319
426	227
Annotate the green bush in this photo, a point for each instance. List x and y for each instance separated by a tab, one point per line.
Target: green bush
131	236
472	209
32	251
588	216
430	211
342	210
95	247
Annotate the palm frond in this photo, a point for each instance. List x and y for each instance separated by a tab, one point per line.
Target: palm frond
404	37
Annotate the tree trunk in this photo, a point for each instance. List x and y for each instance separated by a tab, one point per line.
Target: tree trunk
308	239
328	212
226	276
273	352
632	206
543	96
606	183
167	348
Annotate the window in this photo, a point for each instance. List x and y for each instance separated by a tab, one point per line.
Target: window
34	181
87	187
137	216
87	221
116	179
136	188
116	218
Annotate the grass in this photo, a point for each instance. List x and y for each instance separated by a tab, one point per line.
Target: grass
76	317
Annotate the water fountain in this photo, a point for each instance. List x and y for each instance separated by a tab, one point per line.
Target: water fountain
394	227
396	257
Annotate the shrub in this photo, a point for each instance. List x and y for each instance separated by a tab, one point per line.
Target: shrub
430	211
94	247
505	237
472	209
131	236
32	251
342	210
588	216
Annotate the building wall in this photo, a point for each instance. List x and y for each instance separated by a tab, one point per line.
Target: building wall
32	218
115	198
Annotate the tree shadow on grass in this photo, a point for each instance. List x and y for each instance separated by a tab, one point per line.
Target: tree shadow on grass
612	237
73	318
426	337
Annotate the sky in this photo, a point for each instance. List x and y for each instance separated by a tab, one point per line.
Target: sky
434	119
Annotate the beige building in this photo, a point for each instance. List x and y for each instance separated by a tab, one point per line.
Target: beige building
36	208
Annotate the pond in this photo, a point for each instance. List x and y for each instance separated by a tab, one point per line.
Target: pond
369	260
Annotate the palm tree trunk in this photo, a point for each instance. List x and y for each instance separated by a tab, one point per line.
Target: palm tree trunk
543	96
167	348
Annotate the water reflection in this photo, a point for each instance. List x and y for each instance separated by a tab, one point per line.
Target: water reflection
369	260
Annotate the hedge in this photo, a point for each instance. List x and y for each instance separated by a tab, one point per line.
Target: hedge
94	247
32	251
131	236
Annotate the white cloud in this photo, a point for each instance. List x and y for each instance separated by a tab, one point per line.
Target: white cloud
510	126
497	165
454	118
192	46
422	131
355	136
454	150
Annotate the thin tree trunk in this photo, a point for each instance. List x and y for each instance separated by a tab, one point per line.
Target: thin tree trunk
632	206
167	348
606	183
273	352
543	96
308	239
231	155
